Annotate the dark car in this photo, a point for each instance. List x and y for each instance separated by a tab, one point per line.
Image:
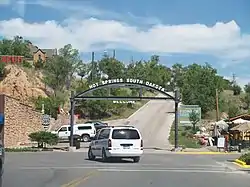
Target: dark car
98	123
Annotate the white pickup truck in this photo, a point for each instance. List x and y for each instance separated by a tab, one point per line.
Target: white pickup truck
86	131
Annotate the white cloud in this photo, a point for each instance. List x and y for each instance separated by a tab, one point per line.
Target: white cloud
240	80
223	40
85	9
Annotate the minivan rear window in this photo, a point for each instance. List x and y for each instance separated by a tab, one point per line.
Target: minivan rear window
125	134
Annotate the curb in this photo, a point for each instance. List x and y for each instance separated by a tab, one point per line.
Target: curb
241	163
205	153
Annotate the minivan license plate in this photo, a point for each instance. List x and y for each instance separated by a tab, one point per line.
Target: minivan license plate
126	147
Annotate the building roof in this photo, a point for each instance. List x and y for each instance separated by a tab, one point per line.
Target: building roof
49	52
243	116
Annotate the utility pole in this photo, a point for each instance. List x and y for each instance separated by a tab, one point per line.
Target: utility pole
92	65
234	79
217	104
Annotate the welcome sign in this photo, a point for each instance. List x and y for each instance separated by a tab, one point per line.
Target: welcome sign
129	81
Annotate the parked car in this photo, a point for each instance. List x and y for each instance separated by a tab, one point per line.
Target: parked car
86	131
98	123
117	142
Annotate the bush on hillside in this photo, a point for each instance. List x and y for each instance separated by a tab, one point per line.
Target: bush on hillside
245	158
236	89
26	64
2	70
43	137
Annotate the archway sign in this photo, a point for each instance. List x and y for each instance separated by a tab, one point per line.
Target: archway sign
118	83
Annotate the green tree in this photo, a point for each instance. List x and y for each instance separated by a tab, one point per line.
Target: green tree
233	110
247	88
194	118
51	104
177	76
246	100
199	85
60	69
72	61
2	70
17	46
112	68
236	89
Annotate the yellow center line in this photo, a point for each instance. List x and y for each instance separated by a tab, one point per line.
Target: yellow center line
79	180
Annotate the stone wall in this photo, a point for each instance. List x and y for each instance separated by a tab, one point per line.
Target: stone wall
20	121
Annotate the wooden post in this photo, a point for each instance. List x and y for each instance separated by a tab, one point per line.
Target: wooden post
217	105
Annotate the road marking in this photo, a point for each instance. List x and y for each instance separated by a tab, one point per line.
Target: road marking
118	166
205	153
169	170
79	180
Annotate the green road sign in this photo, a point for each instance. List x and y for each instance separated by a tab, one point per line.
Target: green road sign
185	110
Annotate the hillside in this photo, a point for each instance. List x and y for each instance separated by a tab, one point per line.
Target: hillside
229	104
22	83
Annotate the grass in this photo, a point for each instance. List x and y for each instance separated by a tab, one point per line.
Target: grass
184	139
245	158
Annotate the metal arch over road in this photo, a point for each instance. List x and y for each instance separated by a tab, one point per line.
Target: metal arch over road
129	83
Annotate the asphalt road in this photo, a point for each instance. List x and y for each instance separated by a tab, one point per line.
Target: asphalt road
54	169
154	120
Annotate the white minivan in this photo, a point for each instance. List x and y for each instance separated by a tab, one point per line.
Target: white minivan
86	131
117	142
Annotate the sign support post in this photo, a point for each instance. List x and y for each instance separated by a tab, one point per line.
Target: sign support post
176	121
72	115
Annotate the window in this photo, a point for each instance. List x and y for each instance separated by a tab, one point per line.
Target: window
69	128
125	134
84	128
39	57
63	129
104	134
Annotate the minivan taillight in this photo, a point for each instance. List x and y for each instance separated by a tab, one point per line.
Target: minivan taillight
141	143
109	143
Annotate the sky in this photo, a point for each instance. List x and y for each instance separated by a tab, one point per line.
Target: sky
179	31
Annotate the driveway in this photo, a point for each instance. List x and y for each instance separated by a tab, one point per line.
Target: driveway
54	169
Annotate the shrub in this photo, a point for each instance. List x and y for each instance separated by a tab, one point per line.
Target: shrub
51	105
2	70
26	64
21	149
43	137
245	158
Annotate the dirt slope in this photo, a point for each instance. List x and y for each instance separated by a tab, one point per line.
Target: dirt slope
22	83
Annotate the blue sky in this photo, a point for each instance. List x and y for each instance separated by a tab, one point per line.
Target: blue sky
217	32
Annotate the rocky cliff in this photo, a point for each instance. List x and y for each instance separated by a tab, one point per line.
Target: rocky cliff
22	83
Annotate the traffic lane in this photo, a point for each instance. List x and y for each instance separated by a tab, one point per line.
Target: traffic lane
44	177
159	178
72	159
54	169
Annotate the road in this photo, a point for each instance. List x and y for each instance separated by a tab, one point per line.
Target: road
54	169
154	121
